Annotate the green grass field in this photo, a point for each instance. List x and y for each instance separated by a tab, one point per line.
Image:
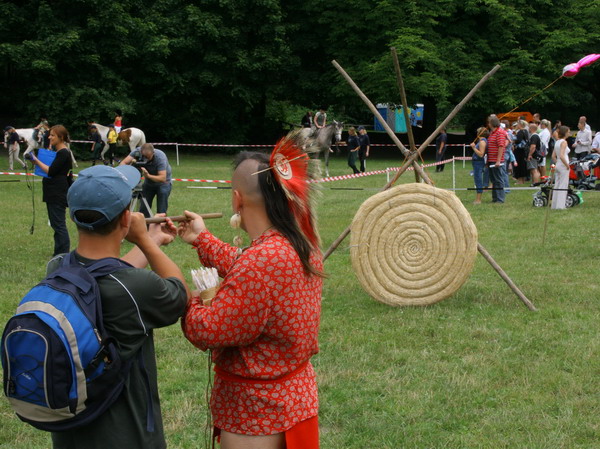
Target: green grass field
477	370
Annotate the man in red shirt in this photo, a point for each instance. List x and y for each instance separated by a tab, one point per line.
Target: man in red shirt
496	144
262	326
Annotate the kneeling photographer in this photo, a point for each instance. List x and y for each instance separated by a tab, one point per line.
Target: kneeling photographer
156	170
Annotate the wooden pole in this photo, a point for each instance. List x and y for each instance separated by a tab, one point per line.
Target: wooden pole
178	218
547	210
411	137
505	277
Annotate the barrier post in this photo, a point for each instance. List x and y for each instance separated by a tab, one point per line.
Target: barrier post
387	174
177	152
464	154
453	175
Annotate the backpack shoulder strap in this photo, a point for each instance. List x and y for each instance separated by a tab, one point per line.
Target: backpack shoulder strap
108	265
98	268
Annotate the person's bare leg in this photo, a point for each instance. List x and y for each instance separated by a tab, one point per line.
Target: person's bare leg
236	441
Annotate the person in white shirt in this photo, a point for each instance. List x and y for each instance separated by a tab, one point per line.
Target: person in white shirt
583	141
544	133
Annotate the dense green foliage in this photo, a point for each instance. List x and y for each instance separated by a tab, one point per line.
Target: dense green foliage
235	71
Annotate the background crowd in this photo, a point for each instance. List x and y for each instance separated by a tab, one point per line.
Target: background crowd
522	150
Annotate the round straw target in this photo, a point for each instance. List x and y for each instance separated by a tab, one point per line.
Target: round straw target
412	244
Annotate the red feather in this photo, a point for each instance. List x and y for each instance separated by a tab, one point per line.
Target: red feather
290	168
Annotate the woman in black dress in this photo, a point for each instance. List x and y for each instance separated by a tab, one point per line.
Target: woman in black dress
55	186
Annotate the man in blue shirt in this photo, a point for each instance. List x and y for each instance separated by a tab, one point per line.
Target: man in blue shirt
156	171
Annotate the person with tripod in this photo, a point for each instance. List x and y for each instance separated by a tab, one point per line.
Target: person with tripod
156	170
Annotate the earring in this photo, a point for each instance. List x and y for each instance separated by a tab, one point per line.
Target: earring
236	222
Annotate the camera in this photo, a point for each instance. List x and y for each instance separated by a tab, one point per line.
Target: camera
29	156
139	165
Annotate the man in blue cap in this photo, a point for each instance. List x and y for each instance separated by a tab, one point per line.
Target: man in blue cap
134	302
157	177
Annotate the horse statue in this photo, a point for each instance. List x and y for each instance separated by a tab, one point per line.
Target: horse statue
26	135
319	140
133	137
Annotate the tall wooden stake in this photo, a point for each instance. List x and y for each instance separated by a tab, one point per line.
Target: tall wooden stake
411	137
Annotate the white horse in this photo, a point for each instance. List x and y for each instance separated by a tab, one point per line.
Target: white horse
320	140
26	134
133	137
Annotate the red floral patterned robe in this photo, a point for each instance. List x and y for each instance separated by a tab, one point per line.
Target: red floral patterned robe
262	327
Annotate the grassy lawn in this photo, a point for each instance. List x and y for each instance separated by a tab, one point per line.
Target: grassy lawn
477	370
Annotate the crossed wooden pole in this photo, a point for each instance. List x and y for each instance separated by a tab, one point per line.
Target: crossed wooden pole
412	156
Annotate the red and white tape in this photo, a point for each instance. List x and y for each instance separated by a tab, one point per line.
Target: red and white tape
328	179
15	173
222	145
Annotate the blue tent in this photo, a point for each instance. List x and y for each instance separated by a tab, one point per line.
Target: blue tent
388	115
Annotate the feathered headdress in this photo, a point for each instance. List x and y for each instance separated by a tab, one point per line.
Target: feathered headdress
293	171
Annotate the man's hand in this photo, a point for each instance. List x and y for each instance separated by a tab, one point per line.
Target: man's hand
137	229
144	172
162	233
189	230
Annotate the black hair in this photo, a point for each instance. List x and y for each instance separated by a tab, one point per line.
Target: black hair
278	209
92	216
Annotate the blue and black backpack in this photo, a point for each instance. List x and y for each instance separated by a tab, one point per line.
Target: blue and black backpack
61	368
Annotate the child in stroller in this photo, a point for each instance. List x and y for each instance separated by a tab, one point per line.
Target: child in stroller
584	173
542	196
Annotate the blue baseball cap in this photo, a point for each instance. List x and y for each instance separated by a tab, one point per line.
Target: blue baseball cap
103	189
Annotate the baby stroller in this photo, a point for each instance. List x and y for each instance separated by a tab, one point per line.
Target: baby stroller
584	173
542	196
